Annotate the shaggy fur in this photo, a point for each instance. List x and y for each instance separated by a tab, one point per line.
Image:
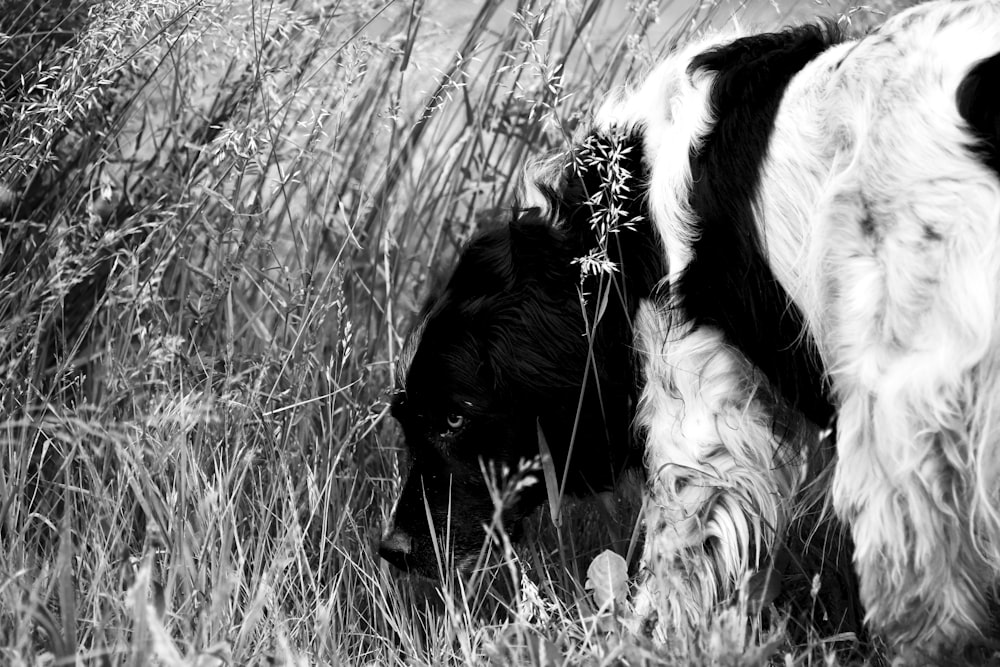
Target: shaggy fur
802	227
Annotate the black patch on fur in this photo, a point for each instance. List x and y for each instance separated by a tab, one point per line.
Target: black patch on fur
729	283
867	223
978	100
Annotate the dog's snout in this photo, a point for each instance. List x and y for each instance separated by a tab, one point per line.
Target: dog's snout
395	547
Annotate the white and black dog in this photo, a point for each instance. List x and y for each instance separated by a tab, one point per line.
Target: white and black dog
770	234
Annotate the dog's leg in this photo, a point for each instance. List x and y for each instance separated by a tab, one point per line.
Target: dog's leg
720	480
912	340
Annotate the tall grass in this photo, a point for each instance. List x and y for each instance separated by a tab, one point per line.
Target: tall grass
215	220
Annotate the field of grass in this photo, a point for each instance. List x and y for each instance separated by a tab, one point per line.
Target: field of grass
216	217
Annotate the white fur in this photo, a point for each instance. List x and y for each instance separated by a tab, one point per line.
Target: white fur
720	491
885	230
906	318
674	112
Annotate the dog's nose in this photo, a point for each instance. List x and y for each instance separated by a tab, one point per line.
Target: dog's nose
395	547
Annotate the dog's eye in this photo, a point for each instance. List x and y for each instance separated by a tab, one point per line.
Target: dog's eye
455	421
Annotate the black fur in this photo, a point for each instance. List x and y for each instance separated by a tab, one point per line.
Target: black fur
978	100
509	345
729	283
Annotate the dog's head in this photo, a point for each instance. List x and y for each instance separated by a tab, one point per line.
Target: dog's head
514	343
501	347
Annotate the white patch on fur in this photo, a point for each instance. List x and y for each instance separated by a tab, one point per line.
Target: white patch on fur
720	490
546	171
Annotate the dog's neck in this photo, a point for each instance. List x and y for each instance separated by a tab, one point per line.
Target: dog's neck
600	207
